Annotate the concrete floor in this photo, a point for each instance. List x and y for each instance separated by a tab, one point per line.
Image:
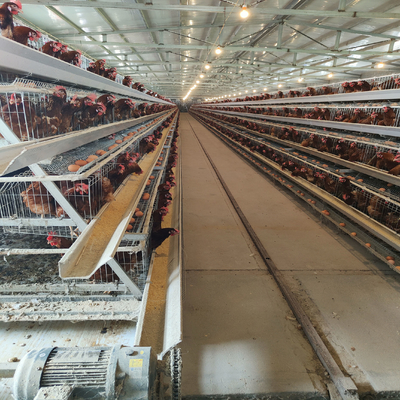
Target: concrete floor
239	334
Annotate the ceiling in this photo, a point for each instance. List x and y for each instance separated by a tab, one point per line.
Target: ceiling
166	44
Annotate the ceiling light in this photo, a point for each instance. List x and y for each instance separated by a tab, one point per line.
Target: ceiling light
201	76
265	89
380	65
218	50
207	66
254	90
330	75
197	81
244	13
240	93
300	80
234	94
246	91
279	85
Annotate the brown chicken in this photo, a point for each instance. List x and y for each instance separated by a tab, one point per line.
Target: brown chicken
38	199
347	87
389	117
22	34
20	116
122	109
72	57
52	49
97	67
107	190
56	102
91	115
377	208
109	101
110	73
127	81
58	241
79	197
7	10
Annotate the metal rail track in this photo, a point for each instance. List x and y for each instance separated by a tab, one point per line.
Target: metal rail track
344	385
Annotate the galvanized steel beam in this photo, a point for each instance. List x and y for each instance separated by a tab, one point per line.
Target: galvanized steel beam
216	9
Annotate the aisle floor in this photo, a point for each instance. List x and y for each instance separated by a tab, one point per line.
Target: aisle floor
239	334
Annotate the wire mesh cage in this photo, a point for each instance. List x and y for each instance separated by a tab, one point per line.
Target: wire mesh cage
362	194
36	110
350	147
133	264
32	200
386	82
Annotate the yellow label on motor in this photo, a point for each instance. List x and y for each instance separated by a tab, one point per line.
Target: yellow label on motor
136	363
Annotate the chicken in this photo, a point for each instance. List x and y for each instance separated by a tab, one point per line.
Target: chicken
91	115
58	241
117	175
395	170
377	208
133	168
326	145
146	146
388	84
79	197
127	81
7	10
110	73
389	117
312	140
341	116
158	217
324	115
164	199
56	102
364	86
52	49
22	34
109	101
312	91
20	116
327	90
124	158
107	190
385	161
122	109
97	67
354	153
361	199
72	57
328	184
345	190
392	221
367	120
297	113
38	199
347	87
158	237
138	86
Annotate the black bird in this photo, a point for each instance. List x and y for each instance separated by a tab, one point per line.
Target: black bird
158	237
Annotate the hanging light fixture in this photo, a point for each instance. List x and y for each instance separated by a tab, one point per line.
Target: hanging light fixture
201	76
218	50
207	66
244	13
